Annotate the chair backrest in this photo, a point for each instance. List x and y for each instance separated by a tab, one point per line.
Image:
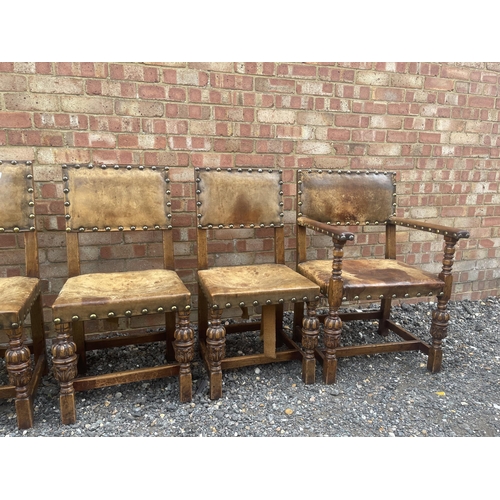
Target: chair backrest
101	198
344	197
239	198
17	208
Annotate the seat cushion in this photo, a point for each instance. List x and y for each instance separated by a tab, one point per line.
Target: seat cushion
371	278
264	283
17	295
112	294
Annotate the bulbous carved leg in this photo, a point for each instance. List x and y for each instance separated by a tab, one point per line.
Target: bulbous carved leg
184	353
18	361
331	338
216	352
439	327
310	333
65	370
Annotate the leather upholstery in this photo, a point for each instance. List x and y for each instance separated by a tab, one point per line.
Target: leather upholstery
102	293
17	295
262	283
346	197
238	197
373	277
108	197
16	195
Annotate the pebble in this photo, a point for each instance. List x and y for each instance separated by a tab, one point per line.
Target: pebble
389	394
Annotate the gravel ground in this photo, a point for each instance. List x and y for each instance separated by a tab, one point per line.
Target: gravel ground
378	395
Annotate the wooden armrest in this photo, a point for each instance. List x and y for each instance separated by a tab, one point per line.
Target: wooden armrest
321	227
432	228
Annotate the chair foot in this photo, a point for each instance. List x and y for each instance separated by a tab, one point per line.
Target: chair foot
24	413
308	370
216	385
186	387
68	408
329	371
434	360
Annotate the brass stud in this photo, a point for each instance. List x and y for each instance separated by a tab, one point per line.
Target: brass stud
93	316
356	297
174	308
228	305
368	297
380	296
160	309
429	294
128	313
111	314
293	299
242	304
255	302
407	295
419	294
268	302
304	299
14	325
394	295
107	228
187	308
144	311
57	321
281	301
75	318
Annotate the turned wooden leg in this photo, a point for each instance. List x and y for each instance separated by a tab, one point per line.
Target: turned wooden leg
216	352
64	361
18	362
331	339
439	327
310	333
184	353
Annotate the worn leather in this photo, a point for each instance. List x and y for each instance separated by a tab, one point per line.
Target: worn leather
14	196
362	277
116	198
345	197
102	293
17	295
231	197
262	282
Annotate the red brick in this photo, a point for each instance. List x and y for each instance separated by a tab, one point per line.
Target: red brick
15	120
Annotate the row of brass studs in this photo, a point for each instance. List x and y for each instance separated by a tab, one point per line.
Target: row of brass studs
358	172
116	167
268	302
430	229
240	226
324	231
30	190
393	296
128	313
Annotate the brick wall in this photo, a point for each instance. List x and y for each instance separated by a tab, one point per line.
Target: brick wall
435	124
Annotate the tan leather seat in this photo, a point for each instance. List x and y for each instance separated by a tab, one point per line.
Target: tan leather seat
20	296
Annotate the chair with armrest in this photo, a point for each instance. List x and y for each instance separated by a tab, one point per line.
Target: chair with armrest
20	296
330	201
118	198
242	199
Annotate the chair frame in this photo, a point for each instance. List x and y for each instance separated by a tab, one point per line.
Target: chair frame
69	350
212	332
337	294
24	378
